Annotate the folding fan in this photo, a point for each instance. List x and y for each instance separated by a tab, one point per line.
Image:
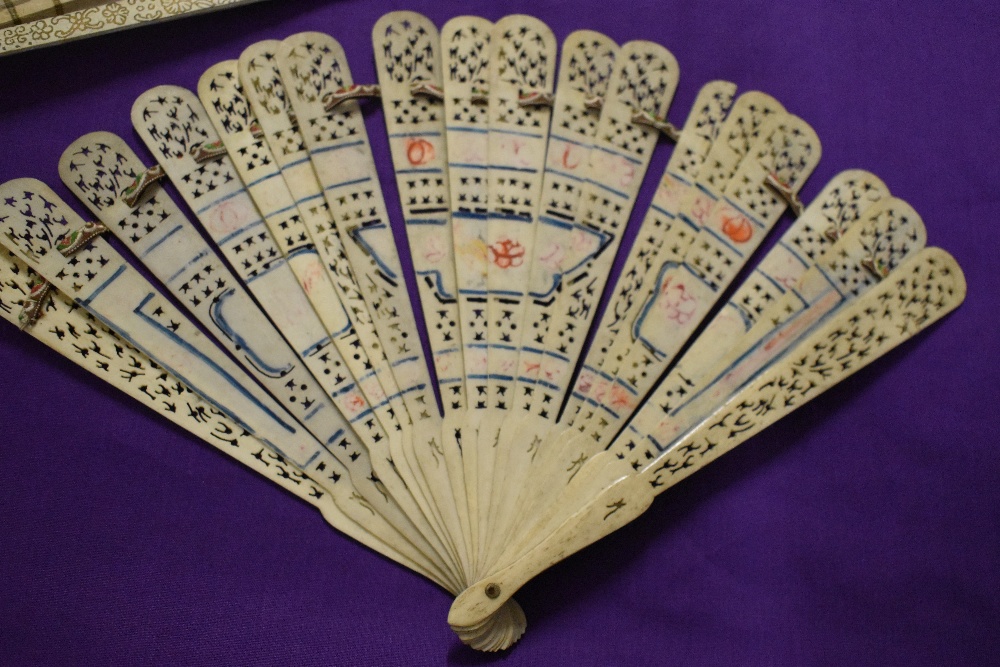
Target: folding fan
279	324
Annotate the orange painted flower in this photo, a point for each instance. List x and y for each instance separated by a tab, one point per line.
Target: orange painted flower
737	228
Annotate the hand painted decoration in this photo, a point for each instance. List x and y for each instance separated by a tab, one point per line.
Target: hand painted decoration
511	446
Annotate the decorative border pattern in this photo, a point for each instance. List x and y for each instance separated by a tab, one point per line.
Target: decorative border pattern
110	17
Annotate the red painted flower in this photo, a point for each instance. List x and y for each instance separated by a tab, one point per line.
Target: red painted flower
419	151
507	253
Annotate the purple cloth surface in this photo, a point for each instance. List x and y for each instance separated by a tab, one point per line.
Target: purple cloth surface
863	529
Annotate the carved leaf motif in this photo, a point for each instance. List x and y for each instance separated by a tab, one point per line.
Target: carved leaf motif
316	70
174	125
468	55
102	172
845	203
748	115
46	222
524	60
645	78
590	65
409	52
230	103
265	83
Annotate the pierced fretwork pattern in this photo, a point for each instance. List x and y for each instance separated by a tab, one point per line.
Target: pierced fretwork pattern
698	155
465	46
922	291
32	218
407	53
561	242
589	58
645	79
222	93
684	294
266	93
140	315
701	129
313	65
709	376
709	151
790	156
660	226
69	329
725	145
741	130
237	228
841	203
522	63
176	253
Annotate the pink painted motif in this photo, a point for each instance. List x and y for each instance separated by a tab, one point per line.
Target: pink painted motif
670	191
605	165
229	216
434	250
312	276
675	301
620	398
552	256
701	209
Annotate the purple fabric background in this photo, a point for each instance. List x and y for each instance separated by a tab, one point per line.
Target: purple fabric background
861	530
